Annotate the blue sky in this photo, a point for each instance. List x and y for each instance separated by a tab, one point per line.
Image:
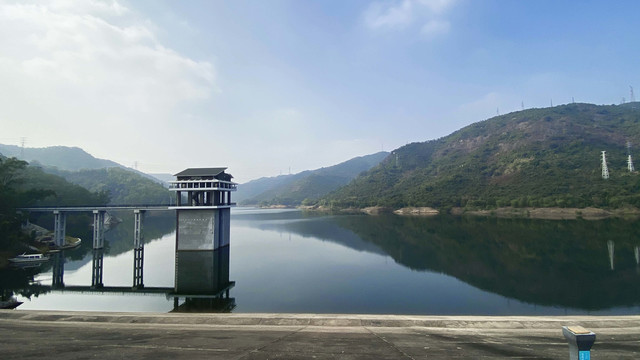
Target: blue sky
268	86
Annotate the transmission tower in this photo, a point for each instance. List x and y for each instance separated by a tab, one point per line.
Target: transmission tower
605	170
23	140
629	159
632	97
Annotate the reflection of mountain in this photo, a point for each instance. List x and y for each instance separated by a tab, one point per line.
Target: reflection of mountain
309	225
542	262
556	263
20	281
119	239
156	224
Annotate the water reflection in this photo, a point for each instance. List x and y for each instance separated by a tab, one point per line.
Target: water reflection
552	263
289	261
202	279
58	260
97	267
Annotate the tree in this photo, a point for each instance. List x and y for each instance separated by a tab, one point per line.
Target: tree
11	198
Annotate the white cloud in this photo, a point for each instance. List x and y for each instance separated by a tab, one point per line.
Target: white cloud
90	72
380	16
435	27
427	14
437	6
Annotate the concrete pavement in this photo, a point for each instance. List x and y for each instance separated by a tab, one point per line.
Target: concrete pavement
82	335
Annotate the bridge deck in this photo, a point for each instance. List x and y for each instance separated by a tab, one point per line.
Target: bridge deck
99	208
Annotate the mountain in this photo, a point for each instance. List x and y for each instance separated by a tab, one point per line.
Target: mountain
124	186
549	157
310	184
62	157
164	178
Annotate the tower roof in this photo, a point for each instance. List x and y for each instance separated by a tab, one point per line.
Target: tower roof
202	172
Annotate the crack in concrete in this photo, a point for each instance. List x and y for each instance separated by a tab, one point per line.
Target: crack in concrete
392	345
160	347
271	343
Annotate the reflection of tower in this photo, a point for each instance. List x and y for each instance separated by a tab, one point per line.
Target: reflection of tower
610	248
637	253
97	267
605	170
58	270
202	279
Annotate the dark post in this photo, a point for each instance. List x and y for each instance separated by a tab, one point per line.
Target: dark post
580	341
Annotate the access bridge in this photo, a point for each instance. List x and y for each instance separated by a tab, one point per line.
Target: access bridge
203	202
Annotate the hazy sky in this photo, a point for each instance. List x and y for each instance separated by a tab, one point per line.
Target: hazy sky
267	86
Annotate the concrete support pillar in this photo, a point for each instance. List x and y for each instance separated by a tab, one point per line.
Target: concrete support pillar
98	229
138	240
97	268
59	227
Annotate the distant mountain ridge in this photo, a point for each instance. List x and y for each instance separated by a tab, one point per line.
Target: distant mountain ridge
548	157
123	185
311	184
62	157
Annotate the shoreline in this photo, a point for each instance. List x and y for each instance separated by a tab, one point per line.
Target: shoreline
550	213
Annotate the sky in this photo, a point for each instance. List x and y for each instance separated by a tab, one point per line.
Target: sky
277	86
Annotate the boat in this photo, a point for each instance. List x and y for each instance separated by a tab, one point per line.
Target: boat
29	259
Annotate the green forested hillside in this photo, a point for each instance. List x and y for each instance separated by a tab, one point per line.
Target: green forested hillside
62	192
309	185
23	186
540	157
123	186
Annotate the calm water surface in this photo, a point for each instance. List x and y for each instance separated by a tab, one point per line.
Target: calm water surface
289	261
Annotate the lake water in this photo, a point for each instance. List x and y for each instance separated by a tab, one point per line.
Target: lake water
290	261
